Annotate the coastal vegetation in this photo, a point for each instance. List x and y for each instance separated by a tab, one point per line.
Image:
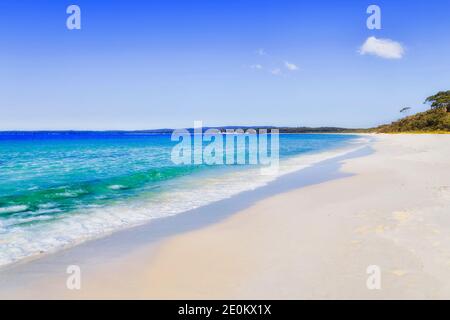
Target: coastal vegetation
435	120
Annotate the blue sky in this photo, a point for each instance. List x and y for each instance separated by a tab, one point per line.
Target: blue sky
153	64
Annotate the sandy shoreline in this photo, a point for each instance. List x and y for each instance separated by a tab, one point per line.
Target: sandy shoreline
390	208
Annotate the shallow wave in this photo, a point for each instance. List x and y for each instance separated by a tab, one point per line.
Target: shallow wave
116	187
180	195
13	209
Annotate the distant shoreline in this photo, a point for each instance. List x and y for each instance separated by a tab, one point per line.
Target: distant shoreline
169	131
282	130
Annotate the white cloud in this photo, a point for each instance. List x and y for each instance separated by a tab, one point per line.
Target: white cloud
256	66
384	48
276	71
290	66
261	52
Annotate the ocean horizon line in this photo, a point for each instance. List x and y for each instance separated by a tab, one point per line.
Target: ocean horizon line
300	129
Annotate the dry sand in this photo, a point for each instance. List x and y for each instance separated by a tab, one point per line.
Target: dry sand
310	243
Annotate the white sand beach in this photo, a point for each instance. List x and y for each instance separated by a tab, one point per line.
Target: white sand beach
315	242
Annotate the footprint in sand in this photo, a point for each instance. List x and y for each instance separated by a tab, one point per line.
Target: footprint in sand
380	229
436	244
443	192
401	216
398	273
362	230
367	229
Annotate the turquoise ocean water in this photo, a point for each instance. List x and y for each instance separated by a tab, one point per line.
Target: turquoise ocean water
60	189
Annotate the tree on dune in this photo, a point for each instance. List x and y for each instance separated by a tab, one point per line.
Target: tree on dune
405	110
440	100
